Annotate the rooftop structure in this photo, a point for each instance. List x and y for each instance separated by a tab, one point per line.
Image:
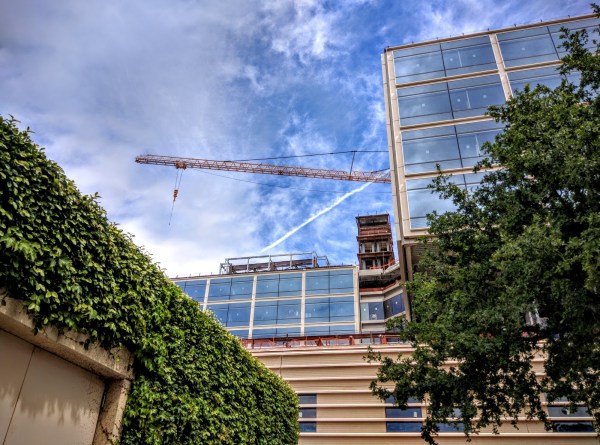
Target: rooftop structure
266	263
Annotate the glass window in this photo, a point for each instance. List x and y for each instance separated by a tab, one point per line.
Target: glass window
393	306
526	50
421	201
472	97
341	281
240	333
341	309
572	427
451	427
290	285
288	312
307	413
403	413
219	289
267	286
549	77
410	67
307	399
196	290
238	315
339	329
448	59
308	427
421	155
265	313
220	311
403	427
316	310
425	107
317	283
449	100
452	146
391	399
372	311
563	411
241	288
264	333
469	59
288	332
316	330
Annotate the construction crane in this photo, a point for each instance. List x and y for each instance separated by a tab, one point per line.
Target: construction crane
265	169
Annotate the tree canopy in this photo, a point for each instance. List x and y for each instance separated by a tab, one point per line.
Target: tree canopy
514	273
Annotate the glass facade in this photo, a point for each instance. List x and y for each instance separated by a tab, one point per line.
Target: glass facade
439	93
445	59
421	201
449	147
444	101
262	305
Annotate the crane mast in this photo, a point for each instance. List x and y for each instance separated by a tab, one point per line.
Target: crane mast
265	169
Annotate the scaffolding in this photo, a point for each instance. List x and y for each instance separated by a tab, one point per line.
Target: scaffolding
267	263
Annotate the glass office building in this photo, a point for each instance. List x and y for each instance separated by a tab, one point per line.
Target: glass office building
436	96
320	301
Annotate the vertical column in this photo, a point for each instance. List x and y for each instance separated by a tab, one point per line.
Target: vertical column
500	65
251	322
303	303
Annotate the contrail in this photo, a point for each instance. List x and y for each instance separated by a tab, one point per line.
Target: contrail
316	215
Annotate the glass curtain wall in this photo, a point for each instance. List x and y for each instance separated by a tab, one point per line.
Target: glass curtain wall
440	83
274	305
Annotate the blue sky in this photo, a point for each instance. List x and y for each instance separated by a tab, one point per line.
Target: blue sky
100	82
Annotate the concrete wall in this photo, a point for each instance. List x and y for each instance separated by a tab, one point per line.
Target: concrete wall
52	389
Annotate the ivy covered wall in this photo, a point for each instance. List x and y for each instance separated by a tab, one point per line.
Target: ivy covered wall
194	382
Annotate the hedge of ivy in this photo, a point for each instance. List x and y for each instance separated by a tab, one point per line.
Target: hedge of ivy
195	383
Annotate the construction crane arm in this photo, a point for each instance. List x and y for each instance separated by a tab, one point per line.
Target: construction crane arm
265	169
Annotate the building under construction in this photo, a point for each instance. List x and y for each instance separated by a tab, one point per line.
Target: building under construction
312	323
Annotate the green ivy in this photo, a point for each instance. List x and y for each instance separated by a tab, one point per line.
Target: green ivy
194	383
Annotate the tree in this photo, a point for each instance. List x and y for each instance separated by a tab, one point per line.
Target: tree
514	272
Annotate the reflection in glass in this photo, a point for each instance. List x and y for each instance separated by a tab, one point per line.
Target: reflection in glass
403	413
528	50
403	427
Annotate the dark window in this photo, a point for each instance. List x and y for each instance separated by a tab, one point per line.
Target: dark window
308	413
572	427
403	413
563	411
403	427
391	399
308	427
307	399
451	427
393	306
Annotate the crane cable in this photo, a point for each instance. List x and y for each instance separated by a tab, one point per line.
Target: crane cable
178	177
